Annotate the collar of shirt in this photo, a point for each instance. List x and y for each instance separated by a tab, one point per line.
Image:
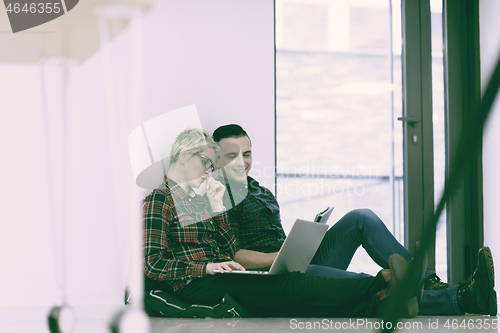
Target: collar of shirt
176	189
235	192
253	185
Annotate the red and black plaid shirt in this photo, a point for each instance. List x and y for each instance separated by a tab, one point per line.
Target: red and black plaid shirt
180	236
256	218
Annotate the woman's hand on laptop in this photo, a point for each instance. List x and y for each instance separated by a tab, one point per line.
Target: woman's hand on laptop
222	267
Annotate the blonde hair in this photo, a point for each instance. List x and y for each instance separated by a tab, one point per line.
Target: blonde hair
193	140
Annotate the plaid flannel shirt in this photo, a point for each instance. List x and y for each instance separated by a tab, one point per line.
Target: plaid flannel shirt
180	236
255	220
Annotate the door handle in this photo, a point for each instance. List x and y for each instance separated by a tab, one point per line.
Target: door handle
411	121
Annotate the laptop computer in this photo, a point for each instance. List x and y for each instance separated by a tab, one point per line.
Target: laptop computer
298	249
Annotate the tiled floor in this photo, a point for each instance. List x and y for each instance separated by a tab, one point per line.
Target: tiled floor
276	325
441	324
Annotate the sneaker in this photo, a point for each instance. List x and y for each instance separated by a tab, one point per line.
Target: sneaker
433	282
477	295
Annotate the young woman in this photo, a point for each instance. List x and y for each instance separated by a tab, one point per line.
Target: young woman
187	238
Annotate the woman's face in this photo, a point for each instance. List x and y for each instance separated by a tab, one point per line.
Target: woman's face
199	167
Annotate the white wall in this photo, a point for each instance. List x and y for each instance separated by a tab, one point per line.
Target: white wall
490	53
216	54
61	168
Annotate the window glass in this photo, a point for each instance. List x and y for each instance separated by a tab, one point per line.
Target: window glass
438	129
338	93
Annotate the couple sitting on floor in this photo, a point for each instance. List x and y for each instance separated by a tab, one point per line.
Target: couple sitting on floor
187	237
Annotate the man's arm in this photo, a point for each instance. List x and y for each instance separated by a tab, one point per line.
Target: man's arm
254	260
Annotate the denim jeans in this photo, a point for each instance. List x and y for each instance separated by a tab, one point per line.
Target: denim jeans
363	227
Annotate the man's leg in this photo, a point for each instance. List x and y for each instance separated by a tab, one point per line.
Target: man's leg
440	302
434	302
363	227
359	227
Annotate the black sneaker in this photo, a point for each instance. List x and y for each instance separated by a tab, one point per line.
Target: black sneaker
433	282
477	295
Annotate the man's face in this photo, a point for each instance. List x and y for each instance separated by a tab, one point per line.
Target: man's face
236	158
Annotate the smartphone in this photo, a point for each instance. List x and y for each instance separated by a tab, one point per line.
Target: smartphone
322	217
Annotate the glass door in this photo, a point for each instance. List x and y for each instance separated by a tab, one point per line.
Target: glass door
338	95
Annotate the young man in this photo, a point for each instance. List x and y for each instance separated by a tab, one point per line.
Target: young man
259	234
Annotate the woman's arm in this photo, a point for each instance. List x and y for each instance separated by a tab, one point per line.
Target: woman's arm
159	214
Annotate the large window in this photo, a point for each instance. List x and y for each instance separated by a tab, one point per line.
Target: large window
338	97
438	120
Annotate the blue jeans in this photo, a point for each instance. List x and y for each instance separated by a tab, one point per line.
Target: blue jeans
363	227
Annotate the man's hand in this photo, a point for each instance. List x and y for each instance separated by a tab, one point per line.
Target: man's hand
222	267
215	191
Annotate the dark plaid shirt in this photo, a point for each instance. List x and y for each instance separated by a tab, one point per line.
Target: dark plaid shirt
180	236
256	218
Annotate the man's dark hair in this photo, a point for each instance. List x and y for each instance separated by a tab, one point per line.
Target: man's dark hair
229	131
